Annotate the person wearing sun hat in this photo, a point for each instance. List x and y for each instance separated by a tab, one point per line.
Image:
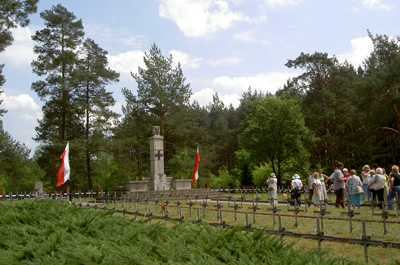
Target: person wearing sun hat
297	186
272	189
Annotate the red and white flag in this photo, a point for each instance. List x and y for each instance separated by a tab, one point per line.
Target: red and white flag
63	172
195	175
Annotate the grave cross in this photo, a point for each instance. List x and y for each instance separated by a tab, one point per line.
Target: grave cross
274	209
177	203
255	208
11	198
296	211
236	207
190	203
350	213
159	155
385	214
204	207
321	213
219	206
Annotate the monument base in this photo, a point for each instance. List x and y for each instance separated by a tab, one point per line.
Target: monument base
136	185
182	184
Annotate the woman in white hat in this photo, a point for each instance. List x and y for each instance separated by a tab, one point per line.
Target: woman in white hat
297	186
272	190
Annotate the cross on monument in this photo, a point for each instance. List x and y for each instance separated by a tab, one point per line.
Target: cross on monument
159	155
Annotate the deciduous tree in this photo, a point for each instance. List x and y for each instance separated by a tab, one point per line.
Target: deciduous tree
274	132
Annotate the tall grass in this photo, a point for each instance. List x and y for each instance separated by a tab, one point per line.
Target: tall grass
49	232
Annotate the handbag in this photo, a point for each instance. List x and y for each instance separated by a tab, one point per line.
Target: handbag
359	190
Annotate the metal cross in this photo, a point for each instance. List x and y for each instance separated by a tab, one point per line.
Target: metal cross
159	155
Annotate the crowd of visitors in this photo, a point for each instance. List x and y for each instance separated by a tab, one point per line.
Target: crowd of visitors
374	185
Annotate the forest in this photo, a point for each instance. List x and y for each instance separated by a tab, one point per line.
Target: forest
332	112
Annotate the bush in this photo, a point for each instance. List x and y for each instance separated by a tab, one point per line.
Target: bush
260	174
223	179
49	232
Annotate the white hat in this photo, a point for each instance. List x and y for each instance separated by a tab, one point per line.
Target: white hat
296	176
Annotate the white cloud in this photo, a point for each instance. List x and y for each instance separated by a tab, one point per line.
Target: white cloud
205	97
20	102
226	61
230	89
249	36
126	62
117	107
270	82
31	116
361	48
197	18
20	53
185	60
282	3
229	99
377	4
112	35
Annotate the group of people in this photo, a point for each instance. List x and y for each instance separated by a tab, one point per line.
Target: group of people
374	185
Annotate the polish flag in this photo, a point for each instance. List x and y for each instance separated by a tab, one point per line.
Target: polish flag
63	172
195	175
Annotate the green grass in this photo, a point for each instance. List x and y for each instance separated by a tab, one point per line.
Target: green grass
49	232
377	255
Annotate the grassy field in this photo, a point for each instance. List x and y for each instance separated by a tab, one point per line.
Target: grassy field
332	227
50	232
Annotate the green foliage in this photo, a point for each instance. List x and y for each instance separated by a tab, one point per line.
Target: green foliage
223	179
274	132
180	164
260	174
243	169
49	232
163	94
18	172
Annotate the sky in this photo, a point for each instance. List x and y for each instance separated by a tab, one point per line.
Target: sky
224	46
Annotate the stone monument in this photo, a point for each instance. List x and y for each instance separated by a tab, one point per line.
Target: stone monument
159	180
38	189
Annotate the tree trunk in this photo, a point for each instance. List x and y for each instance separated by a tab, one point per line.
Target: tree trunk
89	174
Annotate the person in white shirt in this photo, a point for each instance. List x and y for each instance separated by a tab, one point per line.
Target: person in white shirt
371	187
297	186
379	182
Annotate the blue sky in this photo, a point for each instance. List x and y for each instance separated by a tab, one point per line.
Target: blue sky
224	46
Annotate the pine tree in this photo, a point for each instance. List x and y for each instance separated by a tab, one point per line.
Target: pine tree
164	96
91	76
162	90
56	50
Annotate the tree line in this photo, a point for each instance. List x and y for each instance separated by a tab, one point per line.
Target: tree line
331	112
